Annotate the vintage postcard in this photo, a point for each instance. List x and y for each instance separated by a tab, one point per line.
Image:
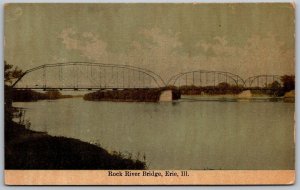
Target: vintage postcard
149	94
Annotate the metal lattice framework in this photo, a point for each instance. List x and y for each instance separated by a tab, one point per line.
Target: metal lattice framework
205	78
88	75
70	75
262	81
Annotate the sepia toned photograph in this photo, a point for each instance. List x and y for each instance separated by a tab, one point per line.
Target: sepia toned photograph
160	90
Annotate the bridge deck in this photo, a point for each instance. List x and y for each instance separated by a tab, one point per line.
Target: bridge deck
80	88
115	88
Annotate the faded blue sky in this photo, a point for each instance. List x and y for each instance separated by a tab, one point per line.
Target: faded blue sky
246	39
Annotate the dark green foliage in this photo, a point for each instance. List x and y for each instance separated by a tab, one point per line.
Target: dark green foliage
130	95
30	95
11	73
288	82
276	89
27	95
53	94
275	85
222	88
224	85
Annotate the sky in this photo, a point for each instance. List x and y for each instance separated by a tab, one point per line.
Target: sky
245	39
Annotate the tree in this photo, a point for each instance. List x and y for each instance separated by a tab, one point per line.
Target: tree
288	82
275	85
11	73
53	94
224	85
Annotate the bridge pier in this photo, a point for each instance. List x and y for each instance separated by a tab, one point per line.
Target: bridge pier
245	94
166	96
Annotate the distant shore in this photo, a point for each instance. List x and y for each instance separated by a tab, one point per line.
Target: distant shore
130	95
31	95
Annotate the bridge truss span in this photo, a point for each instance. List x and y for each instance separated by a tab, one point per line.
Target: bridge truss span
201	78
88	75
263	81
93	76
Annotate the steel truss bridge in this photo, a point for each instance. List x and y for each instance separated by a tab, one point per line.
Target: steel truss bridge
95	76
86	75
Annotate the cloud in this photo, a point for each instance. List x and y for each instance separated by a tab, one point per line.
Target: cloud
87	44
160	52
259	55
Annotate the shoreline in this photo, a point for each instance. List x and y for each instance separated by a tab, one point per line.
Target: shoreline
27	149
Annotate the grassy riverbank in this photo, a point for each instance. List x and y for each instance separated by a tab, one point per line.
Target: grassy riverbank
26	149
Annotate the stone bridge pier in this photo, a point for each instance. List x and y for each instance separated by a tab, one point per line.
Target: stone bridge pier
168	96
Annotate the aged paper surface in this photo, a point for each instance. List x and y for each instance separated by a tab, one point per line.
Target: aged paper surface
149	94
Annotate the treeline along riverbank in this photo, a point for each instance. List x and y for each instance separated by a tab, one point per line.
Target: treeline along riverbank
153	95
210	90
274	89
131	95
30	95
234	90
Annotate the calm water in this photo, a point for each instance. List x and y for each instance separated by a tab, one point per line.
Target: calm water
180	135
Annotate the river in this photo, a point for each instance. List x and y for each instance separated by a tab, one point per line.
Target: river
188	134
